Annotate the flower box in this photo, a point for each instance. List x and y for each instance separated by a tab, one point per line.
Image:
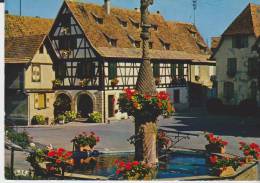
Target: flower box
226	171
249	159
137	177
83	148
213	148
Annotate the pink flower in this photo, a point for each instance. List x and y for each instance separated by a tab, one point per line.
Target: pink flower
58	161
246	152
116	161
213	159
51	153
118	172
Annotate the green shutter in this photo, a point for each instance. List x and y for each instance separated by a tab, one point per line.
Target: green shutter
228	90
112	70
156	70
252	67
173	69
181	70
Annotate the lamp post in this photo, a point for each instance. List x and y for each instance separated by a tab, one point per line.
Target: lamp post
145	145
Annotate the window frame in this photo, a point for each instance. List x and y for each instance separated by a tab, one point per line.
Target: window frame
156	70
228	90
112	70
231	72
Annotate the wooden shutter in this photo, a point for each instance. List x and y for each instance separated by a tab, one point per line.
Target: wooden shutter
252	67
36	101
42	100
156	69
112	70
228	90
173	69
180	70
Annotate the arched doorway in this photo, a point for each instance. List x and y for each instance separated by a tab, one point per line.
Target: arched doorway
84	105
62	104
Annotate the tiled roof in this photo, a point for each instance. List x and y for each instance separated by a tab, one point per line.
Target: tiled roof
215	42
22	49
17	26
248	22
178	35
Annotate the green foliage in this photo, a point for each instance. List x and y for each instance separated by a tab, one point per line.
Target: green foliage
70	116
95	117
61	117
21	139
57	82
85	139
38	120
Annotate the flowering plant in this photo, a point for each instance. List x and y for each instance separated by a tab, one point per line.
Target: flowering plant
58	159
215	140
85	139
220	164
132	169
57	82
114	82
145	106
164	142
83	82
250	149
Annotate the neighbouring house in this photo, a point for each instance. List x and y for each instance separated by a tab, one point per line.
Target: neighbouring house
28	69
237	63
91	53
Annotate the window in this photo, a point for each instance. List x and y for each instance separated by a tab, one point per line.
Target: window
176	95
61	70
166	46
173	70
137	44
155	27
212	70
181	70
136	24
228	90
231	67
86	70
240	41
41	50
36	73
66	43
156	69
112	70
197	70
252	67
40	100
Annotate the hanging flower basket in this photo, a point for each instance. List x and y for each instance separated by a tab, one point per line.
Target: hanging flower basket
214	148
85	142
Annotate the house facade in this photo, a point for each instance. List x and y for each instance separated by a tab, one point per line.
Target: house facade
90	53
237	63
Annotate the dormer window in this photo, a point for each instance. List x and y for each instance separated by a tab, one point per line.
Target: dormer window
155	27
202	46
165	44
111	40
122	22
135	23
150	45
99	20
41	49
135	43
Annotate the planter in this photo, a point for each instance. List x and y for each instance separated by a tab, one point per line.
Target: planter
212	148
137	177
225	172
249	159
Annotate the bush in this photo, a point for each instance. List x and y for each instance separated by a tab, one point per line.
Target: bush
70	116
214	106
21	139
38	120
247	107
95	117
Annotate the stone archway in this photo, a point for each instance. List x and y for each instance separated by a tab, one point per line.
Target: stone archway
62	104
84	105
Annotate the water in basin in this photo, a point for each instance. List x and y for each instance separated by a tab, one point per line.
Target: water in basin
174	165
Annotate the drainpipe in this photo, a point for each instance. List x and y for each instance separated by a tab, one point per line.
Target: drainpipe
107	6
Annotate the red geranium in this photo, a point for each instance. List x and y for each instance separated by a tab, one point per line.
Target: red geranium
250	149
215	140
213	159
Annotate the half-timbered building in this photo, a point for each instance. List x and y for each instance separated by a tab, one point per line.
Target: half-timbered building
96	53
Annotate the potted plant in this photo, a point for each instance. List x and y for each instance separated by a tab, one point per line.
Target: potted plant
85	141
133	170
95	117
83	82
216	144
224	166
61	118
114	82
70	116
251	151
38	120
197	78
57	83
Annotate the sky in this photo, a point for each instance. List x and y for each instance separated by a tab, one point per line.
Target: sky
212	16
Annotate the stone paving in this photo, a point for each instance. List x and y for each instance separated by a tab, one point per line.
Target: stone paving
114	135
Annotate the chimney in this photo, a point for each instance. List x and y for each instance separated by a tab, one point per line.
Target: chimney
158	12
107	7
137	9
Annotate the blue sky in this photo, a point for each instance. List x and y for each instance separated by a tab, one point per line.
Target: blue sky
212	16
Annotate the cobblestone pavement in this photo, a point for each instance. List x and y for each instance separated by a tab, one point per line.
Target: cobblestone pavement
114	135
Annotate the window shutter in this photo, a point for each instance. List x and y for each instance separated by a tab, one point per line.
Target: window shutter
231	67
228	90
112	70
252	67
173	70
41	103
181	70
156	69
36	101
